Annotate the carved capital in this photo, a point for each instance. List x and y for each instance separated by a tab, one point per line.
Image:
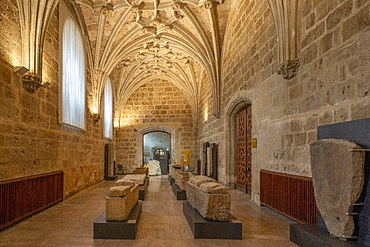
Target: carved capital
135	9
107	9
176	11
208	4
178	5
288	69
288	22
125	63
31	82
136	14
168	28
217	114
156	21
149	29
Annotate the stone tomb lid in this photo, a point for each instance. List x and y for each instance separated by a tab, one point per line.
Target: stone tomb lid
119	191
214	188
121	182
136	178
198	180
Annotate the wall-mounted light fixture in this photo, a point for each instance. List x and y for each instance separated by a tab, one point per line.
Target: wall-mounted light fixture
45	84
117	124
205	114
21	70
31	81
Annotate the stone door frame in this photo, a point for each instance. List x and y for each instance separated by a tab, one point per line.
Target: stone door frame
237	103
140	140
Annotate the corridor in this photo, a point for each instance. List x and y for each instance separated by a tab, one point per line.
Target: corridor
162	223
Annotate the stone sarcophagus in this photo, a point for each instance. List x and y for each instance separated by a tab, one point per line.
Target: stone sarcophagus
140	179
181	178
120	201
210	198
338	179
141	170
174	168
136	178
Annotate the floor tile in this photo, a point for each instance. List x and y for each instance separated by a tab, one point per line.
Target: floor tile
162	223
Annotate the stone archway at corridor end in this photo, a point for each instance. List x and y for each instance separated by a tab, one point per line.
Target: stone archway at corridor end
237	104
146	130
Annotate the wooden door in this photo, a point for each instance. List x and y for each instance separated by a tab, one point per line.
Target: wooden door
249	151
243	150
108	161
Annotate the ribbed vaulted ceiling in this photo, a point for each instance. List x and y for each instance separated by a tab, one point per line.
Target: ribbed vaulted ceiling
136	41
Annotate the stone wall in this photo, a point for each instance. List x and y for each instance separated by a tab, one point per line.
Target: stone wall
332	84
32	140
205	115
156	106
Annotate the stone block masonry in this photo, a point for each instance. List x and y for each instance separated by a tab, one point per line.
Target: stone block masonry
32	139
156	103
332	84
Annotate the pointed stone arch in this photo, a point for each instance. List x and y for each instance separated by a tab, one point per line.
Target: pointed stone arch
34	20
240	101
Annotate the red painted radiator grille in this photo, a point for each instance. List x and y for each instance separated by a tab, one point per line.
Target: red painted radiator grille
22	197
290	195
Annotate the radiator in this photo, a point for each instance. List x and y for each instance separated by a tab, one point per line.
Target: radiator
290	195
24	196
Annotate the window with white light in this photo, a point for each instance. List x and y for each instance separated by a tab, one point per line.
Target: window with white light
73	75
108	110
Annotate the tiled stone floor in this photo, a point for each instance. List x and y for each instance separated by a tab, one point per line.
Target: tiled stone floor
162	223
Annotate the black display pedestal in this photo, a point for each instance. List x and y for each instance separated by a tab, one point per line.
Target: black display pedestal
306	235
104	229
143	189
210	229
171	180
179	193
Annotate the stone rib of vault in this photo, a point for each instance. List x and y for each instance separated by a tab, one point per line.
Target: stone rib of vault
338	179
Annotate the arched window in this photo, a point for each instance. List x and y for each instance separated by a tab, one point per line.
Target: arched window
108	110
159	151
73	76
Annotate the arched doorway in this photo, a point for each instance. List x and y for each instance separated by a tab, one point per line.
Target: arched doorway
157	146
238	146
243	150
140	142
